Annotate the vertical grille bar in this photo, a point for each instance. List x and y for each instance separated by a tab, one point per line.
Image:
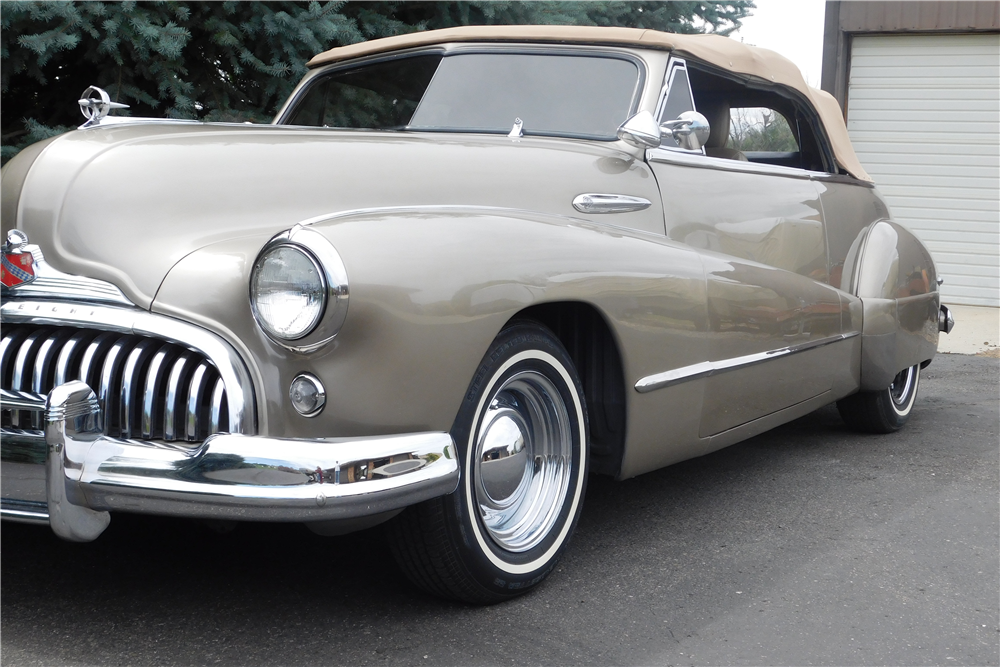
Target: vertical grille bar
170	402
131	385
218	399
109	375
43	361
92	357
147	388
20	378
9	348
196	392
152	399
65	370
23	360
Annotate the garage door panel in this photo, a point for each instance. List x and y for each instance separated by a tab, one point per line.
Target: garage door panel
890	82
944	105
943	216
910	175
944	119
891	59
961	128
970	252
904	165
970	273
985	266
944	73
923	188
981	227
944	236
920	45
924	116
917	144
867	95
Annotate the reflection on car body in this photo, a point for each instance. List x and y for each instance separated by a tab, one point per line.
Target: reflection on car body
439	299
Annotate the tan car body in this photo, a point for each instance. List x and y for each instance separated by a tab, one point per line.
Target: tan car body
800	277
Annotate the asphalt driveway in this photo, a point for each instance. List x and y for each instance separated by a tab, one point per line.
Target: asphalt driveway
808	545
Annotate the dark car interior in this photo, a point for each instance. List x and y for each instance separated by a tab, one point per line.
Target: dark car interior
775	129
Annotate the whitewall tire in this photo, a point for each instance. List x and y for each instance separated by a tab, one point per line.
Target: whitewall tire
882	411
522	442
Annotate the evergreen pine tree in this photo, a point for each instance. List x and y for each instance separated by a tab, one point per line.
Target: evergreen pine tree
237	61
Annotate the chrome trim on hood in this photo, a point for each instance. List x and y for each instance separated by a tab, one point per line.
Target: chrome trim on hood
52	284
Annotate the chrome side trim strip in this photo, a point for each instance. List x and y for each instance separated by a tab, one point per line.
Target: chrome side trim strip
708	368
705	162
593	202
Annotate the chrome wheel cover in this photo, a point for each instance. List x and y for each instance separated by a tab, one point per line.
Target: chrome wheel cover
902	387
523	461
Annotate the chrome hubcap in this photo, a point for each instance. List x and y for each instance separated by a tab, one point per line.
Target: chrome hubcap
523	461
901	386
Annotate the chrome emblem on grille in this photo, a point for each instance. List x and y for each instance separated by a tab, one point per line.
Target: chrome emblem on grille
17	266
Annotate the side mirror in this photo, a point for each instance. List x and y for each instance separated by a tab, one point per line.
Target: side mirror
690	130
640	131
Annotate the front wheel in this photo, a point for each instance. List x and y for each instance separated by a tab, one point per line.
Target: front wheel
522	441
882	411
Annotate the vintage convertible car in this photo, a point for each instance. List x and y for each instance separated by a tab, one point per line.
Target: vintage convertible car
461	270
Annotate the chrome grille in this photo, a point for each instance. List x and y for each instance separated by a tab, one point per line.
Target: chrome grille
148	389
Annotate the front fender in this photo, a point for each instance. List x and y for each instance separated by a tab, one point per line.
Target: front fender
430	288
893	274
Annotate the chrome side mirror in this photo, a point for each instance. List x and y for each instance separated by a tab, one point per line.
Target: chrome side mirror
690	130
640	131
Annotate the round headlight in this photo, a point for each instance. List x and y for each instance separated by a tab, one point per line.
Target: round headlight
287	292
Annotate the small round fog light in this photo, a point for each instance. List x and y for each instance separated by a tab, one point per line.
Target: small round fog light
307	394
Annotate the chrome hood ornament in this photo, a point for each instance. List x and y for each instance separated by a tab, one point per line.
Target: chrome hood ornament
95	103
17	265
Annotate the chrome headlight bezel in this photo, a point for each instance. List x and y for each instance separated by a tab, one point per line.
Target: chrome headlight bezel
333	275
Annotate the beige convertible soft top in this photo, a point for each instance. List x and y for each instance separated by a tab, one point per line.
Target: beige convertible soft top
714	49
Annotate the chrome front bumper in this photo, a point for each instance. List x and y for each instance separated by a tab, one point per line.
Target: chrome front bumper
253	478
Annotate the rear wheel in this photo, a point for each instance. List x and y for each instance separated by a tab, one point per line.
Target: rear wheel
521	435
882	411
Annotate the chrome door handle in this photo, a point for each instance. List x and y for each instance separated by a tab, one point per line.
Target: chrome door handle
604	203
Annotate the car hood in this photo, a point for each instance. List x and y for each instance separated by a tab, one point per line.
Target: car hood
124	203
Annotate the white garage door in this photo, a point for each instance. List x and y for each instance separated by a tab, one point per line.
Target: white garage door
923	112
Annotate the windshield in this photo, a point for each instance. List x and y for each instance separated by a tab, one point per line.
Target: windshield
572	95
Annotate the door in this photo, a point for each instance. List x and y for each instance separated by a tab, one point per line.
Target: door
774	322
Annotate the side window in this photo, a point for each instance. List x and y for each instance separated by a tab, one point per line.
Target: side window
378	96
678	98
756	122
760	130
